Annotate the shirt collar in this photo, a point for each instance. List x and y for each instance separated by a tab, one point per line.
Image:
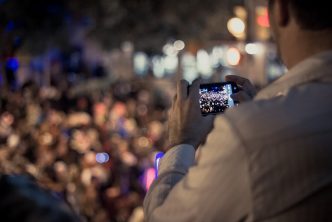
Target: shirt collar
315	68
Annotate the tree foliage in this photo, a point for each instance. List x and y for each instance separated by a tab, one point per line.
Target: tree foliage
147	23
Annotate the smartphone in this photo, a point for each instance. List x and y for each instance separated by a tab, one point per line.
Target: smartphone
216	97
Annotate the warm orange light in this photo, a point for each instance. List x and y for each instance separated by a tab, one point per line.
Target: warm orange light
263	18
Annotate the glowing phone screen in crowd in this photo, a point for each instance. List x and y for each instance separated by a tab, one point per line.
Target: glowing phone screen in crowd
216	98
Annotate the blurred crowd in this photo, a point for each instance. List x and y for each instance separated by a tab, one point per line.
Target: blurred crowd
93	150
213	102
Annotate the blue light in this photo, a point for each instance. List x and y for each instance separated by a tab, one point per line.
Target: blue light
158	157
12	64
17	41
2	1
10	26
102	158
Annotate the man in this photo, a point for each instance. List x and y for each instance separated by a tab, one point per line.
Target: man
269	159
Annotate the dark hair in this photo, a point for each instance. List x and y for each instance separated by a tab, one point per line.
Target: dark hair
23	201
311	15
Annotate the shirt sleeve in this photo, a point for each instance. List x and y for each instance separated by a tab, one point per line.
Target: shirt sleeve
216	188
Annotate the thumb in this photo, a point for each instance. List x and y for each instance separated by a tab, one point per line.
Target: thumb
241	97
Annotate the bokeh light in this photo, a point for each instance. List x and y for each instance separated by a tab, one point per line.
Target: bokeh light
102	158
236	27
233	56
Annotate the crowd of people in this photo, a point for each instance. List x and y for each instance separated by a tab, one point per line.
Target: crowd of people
213	101
92	150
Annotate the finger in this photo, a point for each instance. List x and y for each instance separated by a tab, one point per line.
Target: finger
241	97
182	89
237	79
209	119
194	88
174	100
249	88
243	83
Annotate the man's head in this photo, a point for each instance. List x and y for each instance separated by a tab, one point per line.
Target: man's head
301	28
22	200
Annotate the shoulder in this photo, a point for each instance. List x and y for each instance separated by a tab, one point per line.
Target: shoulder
287	143
262	118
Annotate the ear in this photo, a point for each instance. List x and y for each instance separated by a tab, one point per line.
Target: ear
282	12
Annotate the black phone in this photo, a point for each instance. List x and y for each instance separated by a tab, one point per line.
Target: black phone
216	97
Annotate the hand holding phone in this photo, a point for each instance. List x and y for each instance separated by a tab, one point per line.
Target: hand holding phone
185	116
247	90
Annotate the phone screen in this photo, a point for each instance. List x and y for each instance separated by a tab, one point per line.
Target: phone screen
215	98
